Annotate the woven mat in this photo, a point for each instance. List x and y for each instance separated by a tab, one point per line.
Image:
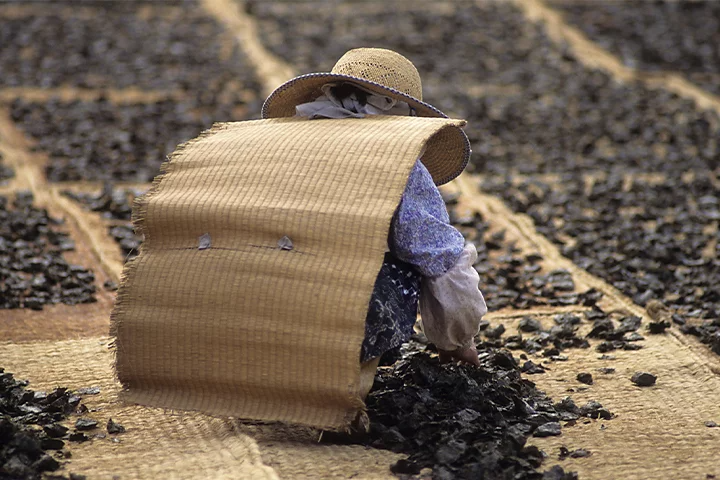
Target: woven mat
238	326
165	444
659	431
157	444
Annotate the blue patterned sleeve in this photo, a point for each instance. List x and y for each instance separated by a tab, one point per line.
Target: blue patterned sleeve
421	233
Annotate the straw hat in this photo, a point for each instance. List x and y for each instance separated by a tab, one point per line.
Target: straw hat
386	73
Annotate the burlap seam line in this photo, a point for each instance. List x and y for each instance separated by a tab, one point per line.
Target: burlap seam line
293	251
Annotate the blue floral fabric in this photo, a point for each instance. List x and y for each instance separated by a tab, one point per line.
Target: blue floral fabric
422	243
393	308
421	234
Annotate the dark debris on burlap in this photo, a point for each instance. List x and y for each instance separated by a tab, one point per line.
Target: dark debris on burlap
110	202
650	241
533	338
643	379
115	204
6	172
33	270
462	422
31	439
509	278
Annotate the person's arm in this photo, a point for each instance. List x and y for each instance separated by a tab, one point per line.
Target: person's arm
421	234
450	303
451	307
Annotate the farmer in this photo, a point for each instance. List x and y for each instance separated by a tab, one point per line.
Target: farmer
427	261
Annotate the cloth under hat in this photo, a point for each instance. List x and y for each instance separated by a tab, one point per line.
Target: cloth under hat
330	105
385	73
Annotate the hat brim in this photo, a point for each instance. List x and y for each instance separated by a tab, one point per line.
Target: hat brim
442	165
306	88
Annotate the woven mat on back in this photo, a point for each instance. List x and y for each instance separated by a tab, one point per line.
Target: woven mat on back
214	316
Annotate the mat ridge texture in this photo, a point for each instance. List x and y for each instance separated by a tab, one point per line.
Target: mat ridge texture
214	316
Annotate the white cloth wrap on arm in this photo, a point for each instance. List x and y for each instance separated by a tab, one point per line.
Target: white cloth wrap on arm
451	305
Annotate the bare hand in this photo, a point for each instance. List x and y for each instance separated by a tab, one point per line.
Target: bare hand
467	355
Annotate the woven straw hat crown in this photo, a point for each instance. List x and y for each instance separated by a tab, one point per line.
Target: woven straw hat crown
381	66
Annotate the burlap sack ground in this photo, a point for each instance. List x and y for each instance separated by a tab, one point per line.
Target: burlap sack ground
165	444
659	432
157	444
94	249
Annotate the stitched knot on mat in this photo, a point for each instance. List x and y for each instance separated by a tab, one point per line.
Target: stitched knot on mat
285	243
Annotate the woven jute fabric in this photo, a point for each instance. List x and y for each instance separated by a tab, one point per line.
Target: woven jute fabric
214	316
659	432
385	73
158	444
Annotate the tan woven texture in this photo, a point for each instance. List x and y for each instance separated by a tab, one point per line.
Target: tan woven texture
244	328
445	158
385	73
659	432
381	66
158	443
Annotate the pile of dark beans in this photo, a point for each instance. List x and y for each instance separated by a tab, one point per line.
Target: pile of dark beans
114	204
708	332
121	44
127	239
532	338
531	106
616	335
32	434
663	35
652	241
614	332
465	422
6	172
101	141
31	438
33	272
509	278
